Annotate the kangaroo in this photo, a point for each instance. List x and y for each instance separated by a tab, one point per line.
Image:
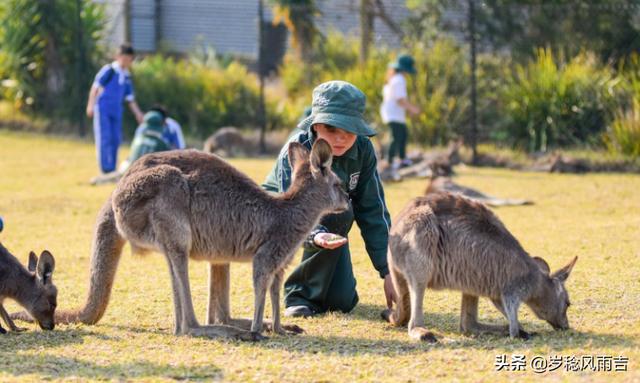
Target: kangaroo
190	204
33	289
434	163
228	141
447	241
439	184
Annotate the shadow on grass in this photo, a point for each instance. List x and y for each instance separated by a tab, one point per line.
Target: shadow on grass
445	326
347	346
12	342
52	367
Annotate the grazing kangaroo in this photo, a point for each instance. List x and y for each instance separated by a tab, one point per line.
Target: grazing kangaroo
438	184
33	289
190	204
227	141
444	241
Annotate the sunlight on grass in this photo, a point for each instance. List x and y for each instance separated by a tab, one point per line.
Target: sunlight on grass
46	202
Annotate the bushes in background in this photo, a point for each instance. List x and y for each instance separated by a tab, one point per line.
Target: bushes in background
49	55
440	86
548	103
203	98
623	135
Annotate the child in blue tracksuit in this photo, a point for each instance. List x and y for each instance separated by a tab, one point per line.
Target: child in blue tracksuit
111	87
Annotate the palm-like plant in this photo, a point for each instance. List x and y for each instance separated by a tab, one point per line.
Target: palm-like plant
299	17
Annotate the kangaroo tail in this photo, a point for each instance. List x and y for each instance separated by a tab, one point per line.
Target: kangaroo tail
106	250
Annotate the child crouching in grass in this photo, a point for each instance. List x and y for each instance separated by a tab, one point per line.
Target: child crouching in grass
324	280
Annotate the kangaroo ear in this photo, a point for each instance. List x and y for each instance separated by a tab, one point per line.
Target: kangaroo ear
321	157
542	264
33	261
564	272
46	265
297	153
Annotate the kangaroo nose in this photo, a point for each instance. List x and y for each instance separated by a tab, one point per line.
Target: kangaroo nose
47	326
560	327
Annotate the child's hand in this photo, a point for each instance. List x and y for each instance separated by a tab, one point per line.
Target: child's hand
389	291
329	240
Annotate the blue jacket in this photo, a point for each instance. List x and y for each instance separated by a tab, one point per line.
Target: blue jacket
117	87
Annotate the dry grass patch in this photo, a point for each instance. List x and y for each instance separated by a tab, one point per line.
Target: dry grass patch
46	202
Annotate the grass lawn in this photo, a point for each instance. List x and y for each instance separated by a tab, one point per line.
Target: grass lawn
47	203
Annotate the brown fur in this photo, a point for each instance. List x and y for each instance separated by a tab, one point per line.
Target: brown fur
189	204
229	142
443	241
32	288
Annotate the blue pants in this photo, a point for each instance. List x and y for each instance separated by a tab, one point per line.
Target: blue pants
107	130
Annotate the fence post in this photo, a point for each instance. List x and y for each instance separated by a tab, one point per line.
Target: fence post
81	71
261	108
474	118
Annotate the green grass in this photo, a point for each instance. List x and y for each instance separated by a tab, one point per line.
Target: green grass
46	202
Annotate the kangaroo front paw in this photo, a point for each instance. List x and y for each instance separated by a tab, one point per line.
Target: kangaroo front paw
293	328
423	335
2	331
526	335
386	315
289	329
19	329
285	329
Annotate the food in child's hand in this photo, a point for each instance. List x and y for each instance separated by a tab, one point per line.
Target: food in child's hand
334	238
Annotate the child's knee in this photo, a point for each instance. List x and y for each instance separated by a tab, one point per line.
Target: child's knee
343	302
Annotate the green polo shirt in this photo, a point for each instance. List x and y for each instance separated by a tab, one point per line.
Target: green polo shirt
357	170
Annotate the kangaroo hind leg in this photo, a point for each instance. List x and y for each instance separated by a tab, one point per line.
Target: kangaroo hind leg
417	330
469	318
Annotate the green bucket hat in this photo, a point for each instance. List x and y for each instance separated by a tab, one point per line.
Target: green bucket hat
153	121
404	63
339	104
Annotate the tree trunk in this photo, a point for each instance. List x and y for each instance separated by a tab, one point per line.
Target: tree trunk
366	29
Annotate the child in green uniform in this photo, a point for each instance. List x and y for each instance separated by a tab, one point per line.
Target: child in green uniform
324	280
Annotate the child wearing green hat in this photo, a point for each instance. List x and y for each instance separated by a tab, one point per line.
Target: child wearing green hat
394	106
324	280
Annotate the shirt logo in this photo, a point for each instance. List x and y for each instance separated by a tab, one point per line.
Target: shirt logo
353	181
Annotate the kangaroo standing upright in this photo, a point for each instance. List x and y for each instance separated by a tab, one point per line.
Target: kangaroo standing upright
444	241
33	289
190	204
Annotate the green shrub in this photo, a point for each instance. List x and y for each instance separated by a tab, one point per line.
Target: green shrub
439	88
548	104
200	97
623	135
48	67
